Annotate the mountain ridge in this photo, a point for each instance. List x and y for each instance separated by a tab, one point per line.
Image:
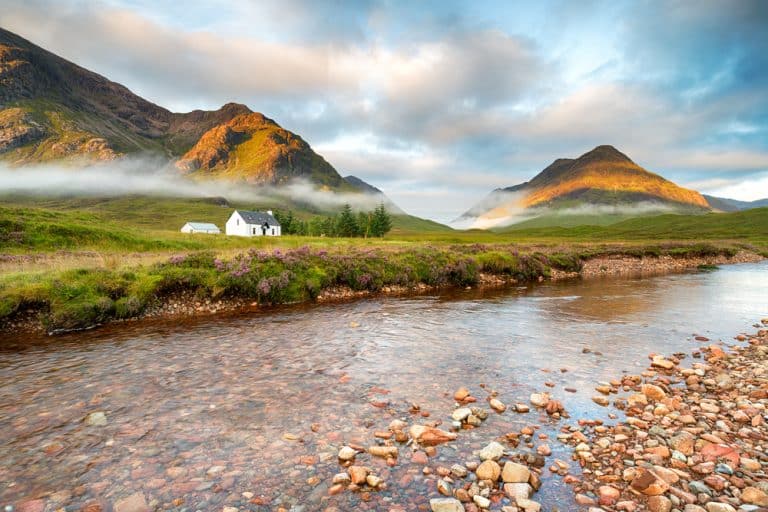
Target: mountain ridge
52	109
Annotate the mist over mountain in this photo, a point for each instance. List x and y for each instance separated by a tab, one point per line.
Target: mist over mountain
52	110
603	181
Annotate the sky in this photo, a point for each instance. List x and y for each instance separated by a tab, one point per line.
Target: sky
439	102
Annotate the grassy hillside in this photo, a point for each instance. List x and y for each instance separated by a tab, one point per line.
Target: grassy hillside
139	223
749	225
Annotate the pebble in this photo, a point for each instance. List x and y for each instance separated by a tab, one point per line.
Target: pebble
446	505
492	451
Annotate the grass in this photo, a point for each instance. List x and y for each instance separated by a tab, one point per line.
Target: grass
746	226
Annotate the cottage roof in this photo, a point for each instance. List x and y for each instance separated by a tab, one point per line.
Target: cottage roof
202	226
258	218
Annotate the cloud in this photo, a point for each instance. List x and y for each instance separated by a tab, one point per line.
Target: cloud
151	177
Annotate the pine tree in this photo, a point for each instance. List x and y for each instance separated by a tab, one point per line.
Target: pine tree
381	222
347	224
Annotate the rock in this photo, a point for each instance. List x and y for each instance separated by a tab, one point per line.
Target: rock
383	451
714	506
518	491
133	503
529	505
750	464
461	394
515	473
430	436
488	470
481	501
461	413
493	451
754	496
444	487
28	506
653	392
600	400
446	505
459	471
608	495
522	408
659	504
540	399
346	453
682	442
698	487
96	419
341	478
660	362
397	425
357	474
373	480
647	482
497	405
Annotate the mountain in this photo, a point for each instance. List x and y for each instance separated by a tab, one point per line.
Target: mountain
363	186
601	181
54	110
255	149
733	205
378	195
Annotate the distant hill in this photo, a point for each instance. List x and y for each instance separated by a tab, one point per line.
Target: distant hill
601	182
733	205
54	110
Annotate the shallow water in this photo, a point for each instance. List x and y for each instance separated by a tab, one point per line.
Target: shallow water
183	397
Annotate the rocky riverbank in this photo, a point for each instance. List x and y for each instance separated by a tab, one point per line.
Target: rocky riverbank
694	439
190	303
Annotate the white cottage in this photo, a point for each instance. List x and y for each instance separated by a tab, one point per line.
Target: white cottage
247	223
200	227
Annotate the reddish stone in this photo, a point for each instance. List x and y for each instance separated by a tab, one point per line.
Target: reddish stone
31	506
716	452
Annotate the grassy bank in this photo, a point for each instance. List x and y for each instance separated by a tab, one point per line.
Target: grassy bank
78	298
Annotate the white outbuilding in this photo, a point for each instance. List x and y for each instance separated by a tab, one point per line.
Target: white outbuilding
200	227
247	223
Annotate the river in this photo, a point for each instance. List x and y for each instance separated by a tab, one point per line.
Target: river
201	411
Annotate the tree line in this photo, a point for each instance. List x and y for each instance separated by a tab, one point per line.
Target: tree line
374	223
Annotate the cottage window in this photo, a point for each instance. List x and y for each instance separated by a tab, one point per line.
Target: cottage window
273	231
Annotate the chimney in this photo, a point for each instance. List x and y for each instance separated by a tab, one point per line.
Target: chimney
269	212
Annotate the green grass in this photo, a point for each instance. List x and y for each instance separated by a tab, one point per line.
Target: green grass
747	226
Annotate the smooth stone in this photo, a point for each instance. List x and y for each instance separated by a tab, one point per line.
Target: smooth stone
446	505
515	473
493	451
347	453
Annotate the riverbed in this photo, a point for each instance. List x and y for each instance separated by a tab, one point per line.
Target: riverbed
249	411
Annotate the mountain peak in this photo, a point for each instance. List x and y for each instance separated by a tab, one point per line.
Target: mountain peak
606	153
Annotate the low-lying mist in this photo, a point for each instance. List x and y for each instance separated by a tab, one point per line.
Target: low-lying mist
148	177
503	216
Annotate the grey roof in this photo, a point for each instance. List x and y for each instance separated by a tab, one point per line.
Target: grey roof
258	218
203	226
